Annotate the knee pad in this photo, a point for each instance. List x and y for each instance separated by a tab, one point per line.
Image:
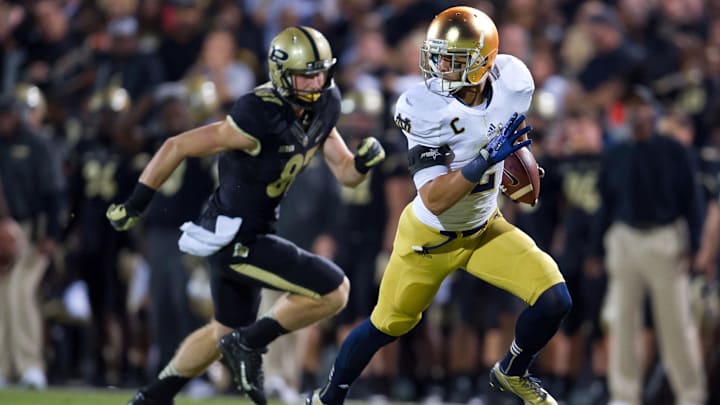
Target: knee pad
394	324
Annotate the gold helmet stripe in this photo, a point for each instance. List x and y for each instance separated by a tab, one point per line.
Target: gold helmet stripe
313	45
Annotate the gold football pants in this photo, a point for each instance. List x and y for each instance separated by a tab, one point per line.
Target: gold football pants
498	253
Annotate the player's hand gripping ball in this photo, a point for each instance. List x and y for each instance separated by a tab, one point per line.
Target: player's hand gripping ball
503	145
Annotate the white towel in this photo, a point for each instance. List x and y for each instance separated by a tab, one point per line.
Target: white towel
198	241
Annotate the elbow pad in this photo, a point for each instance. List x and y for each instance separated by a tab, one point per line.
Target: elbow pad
421	157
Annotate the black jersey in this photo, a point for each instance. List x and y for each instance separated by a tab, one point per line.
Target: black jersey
364	208
183	194
707	161
581	196
27	174
100	174
253	183
572	188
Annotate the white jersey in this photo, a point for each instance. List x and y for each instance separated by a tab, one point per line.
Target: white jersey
434	120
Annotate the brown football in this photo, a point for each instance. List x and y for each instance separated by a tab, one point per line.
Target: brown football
521	177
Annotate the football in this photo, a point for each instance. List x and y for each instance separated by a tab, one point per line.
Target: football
521	177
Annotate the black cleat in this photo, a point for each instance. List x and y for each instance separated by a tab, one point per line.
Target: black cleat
246	365
141	398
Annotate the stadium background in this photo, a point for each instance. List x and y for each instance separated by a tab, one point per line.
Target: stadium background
103	82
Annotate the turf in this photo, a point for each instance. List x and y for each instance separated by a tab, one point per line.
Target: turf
62	396
111	396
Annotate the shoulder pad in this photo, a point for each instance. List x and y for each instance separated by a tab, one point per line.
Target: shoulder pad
334	92
250	114
514	73
417	109
332	100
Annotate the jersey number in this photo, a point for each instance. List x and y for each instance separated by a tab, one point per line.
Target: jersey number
291	169
580	190
487	183
100	179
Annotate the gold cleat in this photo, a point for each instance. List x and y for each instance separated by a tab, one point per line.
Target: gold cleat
526	387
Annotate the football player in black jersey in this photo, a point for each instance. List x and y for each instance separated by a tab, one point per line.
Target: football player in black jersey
265	141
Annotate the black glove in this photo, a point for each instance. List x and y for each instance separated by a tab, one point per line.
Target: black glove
369	154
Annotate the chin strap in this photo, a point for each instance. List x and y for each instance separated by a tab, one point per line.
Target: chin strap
455	85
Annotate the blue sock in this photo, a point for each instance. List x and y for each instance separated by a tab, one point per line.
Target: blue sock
355	353
534	328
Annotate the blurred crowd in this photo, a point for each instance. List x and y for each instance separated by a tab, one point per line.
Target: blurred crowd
89	89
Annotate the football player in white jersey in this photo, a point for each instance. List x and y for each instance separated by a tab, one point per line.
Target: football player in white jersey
460	124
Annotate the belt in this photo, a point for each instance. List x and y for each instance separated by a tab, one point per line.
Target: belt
451	236
469	232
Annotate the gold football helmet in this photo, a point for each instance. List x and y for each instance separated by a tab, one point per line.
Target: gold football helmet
202	97
111	98
459	50
304	51
30	97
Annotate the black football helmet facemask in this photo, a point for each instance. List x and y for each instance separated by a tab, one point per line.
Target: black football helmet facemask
303	51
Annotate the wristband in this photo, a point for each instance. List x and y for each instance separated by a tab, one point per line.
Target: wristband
485	155
474	170
140	197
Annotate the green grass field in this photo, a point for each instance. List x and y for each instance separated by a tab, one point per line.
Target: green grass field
80	396
110	396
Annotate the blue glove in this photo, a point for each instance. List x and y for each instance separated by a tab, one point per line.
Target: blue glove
503	145
498	148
